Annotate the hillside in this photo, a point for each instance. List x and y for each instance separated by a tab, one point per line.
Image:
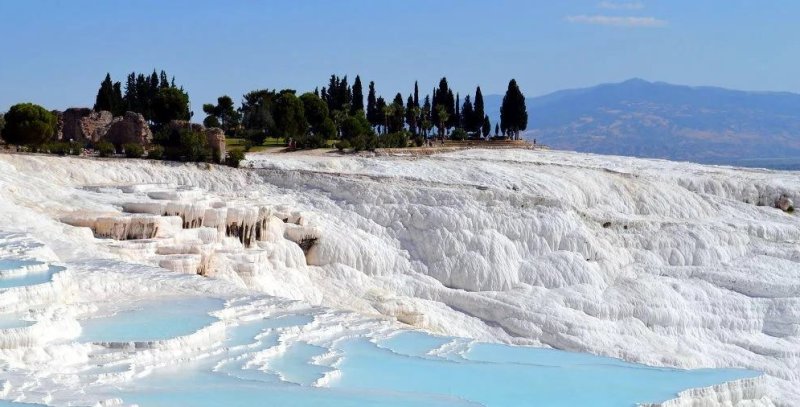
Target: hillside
660	120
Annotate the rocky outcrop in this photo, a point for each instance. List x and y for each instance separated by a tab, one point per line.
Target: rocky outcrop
82	123
129	128
216	140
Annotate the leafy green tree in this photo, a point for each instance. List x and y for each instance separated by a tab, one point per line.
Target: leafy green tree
443	117
194	146
226	114
356	126
170	104
30	124
256	111
211	121
513	113
321	125
289	115
358	96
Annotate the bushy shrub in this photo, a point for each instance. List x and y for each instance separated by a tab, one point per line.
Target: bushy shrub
59	148
155	152
394	140
194	146
366	142
133	150
419	141
458	134
234	158
342	145
105	149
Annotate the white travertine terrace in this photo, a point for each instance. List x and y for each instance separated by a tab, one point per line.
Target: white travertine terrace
664	263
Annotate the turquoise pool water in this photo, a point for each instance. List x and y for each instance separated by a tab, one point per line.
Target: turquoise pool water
152	321
29	278
399	371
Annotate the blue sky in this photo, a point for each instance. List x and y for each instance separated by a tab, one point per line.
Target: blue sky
56	52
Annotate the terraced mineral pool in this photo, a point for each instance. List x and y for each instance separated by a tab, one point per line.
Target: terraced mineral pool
16	278
402	371
152	321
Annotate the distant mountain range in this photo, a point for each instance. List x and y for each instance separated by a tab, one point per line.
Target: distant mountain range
660	120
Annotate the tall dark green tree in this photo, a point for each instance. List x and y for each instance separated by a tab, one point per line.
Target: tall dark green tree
170	104
380	108
513	113
412	115
487	126
289	115
358	96
416	94
397	118
372	108
109	97
479	109
468	115
256	110
459	121
317	116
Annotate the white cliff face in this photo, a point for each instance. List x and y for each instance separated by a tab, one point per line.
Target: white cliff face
651	261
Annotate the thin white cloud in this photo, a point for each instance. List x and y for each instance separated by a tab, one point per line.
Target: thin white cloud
614	5
643	22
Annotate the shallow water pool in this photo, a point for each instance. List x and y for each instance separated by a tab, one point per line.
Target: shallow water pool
33	277
152	321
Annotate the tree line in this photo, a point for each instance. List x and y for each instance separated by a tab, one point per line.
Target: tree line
337	111
154	96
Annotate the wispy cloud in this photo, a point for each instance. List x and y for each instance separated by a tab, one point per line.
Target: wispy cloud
642	22
628	5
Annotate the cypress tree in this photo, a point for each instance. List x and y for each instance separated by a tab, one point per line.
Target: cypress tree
425	115
450	103
416	94
479	110
513	113
468	115
163	81
458	120
380	106
434	110
487	126
358	96
105	95
398	114
496	129
412	114
372	109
